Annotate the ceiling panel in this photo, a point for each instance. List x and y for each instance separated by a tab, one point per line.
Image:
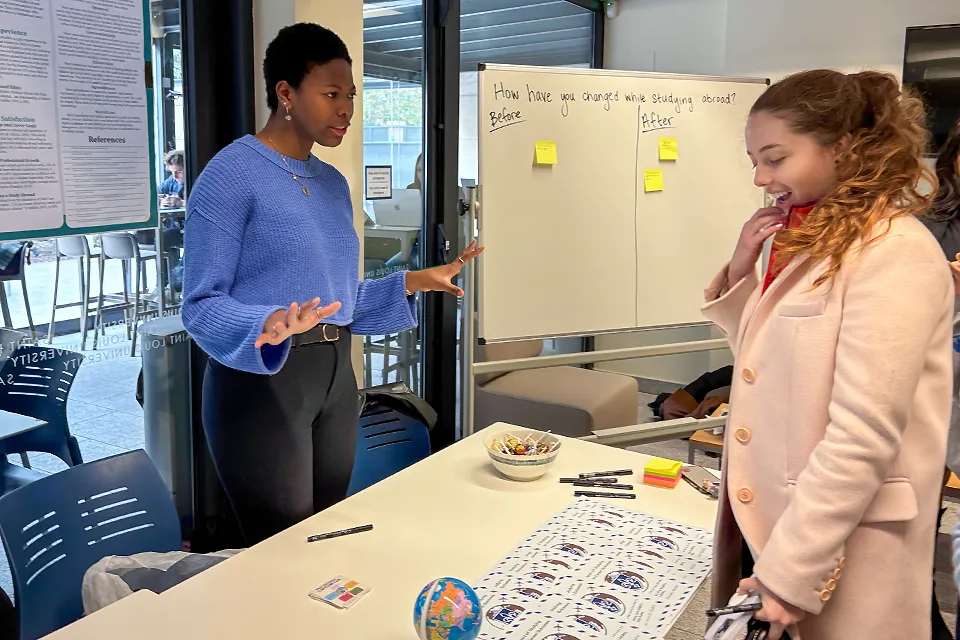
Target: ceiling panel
536	32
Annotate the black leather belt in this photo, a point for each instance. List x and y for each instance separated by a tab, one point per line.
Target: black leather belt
319	334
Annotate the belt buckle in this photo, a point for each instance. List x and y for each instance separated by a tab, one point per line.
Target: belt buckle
336	333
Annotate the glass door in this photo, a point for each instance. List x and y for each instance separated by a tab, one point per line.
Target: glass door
393	147
420	123
535	33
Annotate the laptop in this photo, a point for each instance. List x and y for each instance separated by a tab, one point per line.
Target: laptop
404	209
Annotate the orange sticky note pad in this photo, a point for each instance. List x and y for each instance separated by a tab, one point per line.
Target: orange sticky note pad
660	482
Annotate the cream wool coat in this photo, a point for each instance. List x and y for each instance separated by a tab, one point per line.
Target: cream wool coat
835	444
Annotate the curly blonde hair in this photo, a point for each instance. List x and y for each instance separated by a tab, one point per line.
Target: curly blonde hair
881	132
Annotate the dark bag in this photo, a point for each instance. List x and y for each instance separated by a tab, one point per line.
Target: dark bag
400	398
758	630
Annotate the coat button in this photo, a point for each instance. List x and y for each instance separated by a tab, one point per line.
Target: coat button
825	595
745	495
831	584
749	374
743	435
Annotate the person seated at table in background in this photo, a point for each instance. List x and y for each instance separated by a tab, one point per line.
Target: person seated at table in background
171	191
840	404
417	175
272	293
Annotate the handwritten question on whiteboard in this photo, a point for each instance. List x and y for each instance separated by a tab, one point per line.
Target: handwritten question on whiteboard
664	106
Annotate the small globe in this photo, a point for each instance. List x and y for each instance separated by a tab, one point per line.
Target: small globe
447	609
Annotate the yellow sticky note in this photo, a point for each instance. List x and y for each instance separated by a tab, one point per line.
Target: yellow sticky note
668	148
663	467
546	152
652	180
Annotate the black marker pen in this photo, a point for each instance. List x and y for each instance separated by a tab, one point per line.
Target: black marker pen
337	534
599	494
604	474
737	608
603	485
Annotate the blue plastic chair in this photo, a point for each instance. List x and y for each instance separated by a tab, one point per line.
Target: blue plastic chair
389	442
37	382
56	528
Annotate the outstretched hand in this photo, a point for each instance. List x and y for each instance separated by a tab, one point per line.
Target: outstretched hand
294	320
439	278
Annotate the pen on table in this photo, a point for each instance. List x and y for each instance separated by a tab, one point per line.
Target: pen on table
600	494
337	534
603	485
597	480
737	608
605	474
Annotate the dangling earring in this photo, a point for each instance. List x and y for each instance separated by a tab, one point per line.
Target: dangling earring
287	117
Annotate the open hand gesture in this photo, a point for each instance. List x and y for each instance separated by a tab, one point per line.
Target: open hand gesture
439	278
294	320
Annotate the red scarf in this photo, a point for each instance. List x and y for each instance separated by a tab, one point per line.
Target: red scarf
795	218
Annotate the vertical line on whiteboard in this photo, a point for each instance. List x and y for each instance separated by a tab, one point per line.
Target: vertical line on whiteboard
636	226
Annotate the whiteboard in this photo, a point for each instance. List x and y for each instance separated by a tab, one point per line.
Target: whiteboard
578	247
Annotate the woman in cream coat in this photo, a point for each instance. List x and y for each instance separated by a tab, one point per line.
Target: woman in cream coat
835	443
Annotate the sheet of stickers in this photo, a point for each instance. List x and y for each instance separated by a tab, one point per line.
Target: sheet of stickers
595	571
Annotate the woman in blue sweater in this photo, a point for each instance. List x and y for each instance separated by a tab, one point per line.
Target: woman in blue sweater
271	293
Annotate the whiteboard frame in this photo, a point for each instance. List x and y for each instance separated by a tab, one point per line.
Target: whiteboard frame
479	187
619	73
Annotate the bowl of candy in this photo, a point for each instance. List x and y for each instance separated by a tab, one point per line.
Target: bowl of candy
521	454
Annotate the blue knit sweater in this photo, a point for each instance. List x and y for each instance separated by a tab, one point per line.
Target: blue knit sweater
254	243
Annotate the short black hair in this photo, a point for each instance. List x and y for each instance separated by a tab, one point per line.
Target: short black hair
295	51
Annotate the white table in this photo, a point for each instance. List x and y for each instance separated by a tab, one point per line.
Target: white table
406	236
450	515
13	424
132	617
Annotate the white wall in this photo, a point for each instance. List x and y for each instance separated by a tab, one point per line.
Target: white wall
671	36
776	37
344	17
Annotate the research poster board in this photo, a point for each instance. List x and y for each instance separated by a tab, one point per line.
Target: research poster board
76	114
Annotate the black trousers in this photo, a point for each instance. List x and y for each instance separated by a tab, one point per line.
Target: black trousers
283	445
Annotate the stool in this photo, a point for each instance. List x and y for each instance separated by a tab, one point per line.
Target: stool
74	248
704	441
124	247
408	358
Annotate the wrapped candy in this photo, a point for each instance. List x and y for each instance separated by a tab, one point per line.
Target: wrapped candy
511	445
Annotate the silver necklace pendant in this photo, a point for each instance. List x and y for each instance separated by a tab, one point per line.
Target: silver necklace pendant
305	191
